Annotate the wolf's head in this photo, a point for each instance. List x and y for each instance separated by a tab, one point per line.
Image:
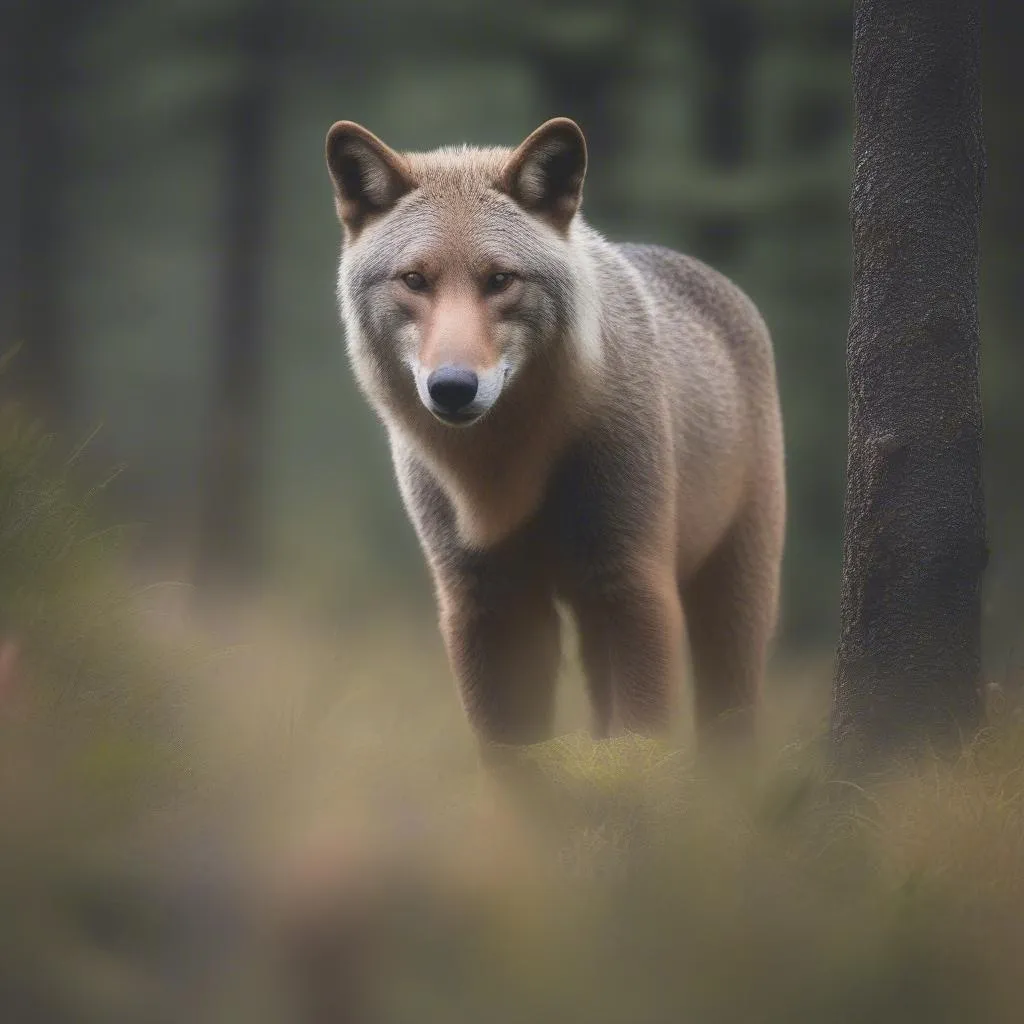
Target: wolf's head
460	270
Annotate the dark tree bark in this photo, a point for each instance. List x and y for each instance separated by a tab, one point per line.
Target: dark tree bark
908	662
230	526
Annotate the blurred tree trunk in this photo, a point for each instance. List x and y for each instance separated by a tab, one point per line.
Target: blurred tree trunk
908	662
727	30
38	41
9	204
229	547
1002	300
581	86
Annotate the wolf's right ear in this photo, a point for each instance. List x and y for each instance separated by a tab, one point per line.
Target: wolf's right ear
369	176
545	174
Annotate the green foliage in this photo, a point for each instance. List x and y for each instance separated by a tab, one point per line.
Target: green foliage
624	880
149	114
90	731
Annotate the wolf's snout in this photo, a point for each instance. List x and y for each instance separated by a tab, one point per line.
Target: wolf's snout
452	388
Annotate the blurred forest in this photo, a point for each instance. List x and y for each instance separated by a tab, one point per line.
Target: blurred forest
287	831
168	248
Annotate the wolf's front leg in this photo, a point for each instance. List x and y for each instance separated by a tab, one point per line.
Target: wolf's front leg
502	634
497	616
631	639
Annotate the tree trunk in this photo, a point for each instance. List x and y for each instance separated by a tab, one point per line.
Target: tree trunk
581	86
230	527
9	183
728	32
908	661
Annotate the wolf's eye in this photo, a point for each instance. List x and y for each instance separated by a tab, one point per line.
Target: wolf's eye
498	282
415	281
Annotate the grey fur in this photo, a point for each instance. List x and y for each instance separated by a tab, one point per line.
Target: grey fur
632	465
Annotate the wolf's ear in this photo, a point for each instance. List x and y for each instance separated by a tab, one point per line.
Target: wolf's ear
369	177
545	174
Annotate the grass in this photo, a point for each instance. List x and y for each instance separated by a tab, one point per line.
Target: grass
291	828
648	892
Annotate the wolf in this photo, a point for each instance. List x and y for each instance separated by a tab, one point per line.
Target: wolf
573	423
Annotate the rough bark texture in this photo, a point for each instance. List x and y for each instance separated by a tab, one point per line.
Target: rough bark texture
908	662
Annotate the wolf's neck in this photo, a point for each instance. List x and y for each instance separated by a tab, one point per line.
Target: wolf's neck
496	478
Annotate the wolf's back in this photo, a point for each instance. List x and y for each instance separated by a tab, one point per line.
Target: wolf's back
710	359
687	292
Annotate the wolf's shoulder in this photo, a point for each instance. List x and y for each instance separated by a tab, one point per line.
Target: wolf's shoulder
677	281
674	275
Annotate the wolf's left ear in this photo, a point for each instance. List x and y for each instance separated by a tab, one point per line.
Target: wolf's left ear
369	176
545	174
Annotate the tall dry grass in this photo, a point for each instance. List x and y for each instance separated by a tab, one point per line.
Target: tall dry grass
287	825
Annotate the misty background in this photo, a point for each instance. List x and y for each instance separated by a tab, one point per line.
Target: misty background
278	822
168	250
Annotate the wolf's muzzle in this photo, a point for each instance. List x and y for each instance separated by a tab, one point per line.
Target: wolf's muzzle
457	395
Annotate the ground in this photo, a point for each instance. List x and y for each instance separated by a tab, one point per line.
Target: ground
255	818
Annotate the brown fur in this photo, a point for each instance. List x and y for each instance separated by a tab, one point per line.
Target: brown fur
627	460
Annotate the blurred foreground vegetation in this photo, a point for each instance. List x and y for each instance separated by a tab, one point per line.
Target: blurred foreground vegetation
246	816
242	821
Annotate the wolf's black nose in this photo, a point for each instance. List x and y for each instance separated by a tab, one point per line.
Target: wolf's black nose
452	387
